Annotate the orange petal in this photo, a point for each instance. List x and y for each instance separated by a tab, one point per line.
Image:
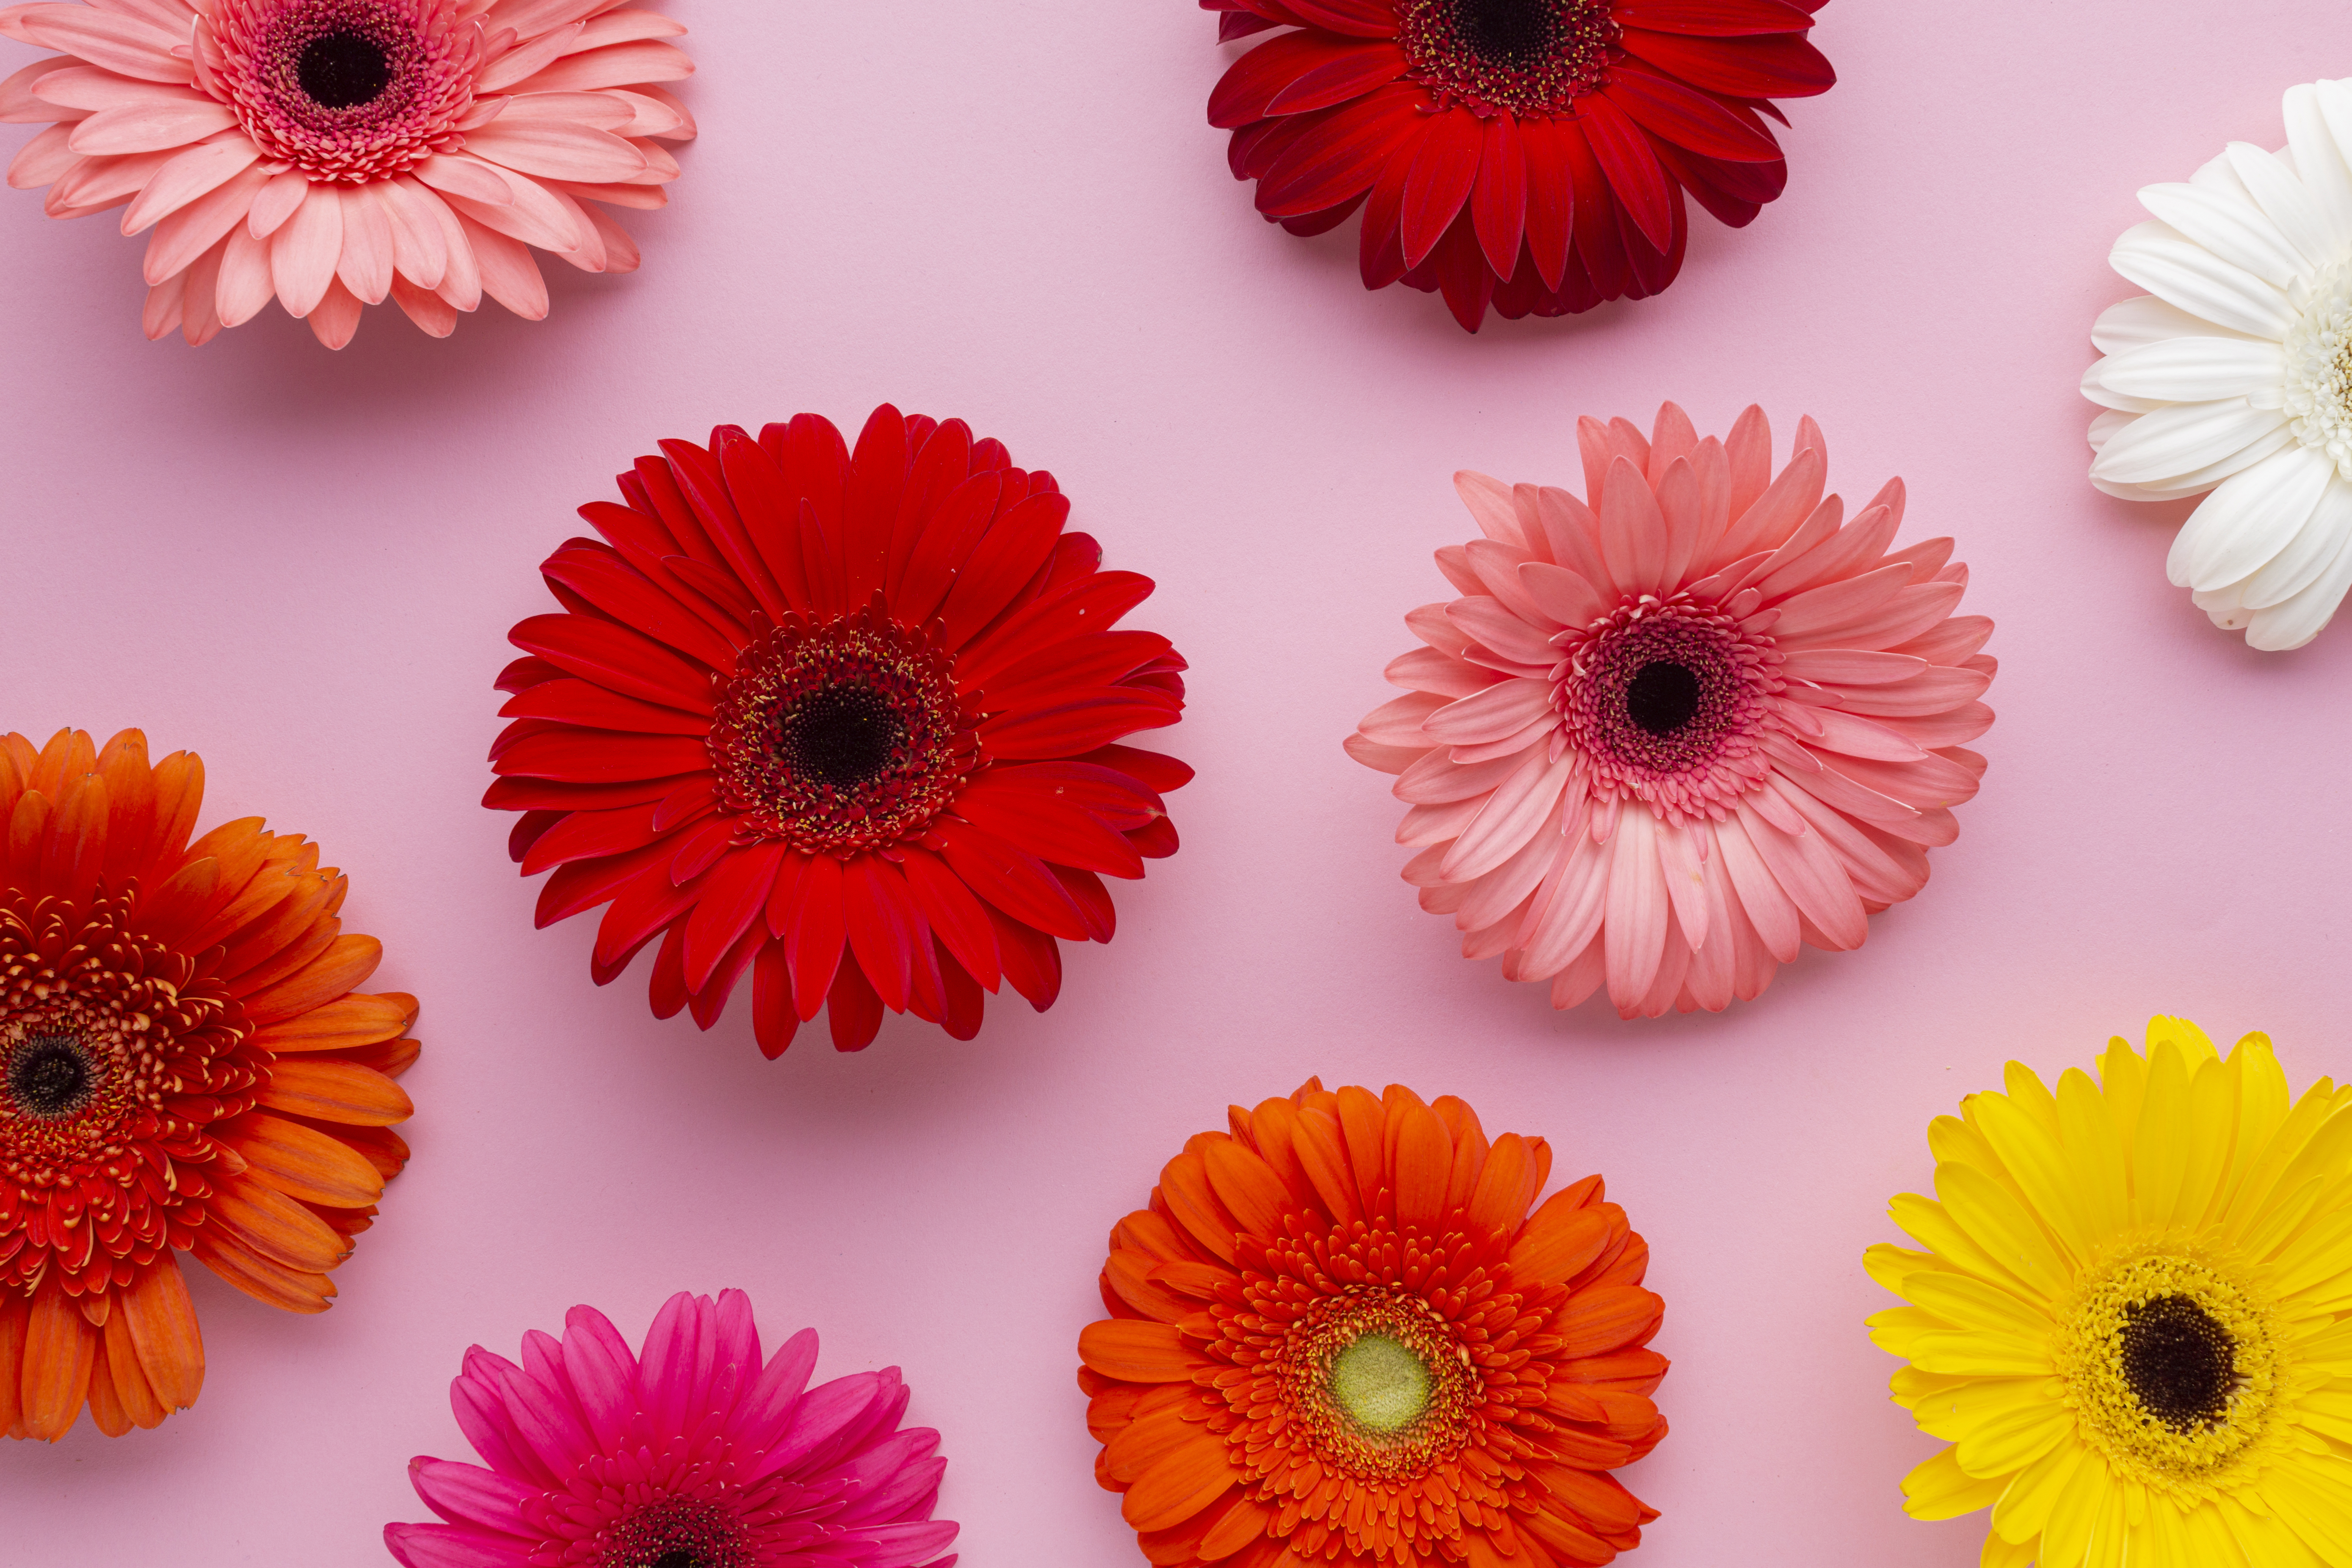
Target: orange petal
130	795
179	796
1136	1351
379	1146
161	1322
1247	1186
1129	1273
276	1226
336	1091
1146	1440
1180	1485
341	1024
68	755
304	1162
1506	1186
173	907
13	1312
1192	1199
75	853
259	1277
106	1411
1559	1243
1566	1542
1364	1126
1243	1523
1323	1156
290	934
132	1389
60	1349
1423	1165
343	967
1605	1318
1470	1148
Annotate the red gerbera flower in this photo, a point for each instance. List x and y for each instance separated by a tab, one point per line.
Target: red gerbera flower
1531	154
847	722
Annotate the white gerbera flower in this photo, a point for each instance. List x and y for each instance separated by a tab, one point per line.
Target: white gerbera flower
2234	373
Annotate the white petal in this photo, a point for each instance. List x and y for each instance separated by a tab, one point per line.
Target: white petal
2290	208
2248	519
2311	552
2177	485
2318	164
2193	370
2159	259
2334	101
2294	623
2221	606
2180	438
2144	319
2094	387
2104	428
2232	228
2216	176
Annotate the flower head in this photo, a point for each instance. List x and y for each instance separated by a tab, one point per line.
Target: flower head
1664	737
1528	154
2233	374
2128	1309
184	1067
1339	1337
336	153
848	721
692	1453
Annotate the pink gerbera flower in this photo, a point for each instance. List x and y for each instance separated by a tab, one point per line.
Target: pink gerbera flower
333	152
1669	733
691	1455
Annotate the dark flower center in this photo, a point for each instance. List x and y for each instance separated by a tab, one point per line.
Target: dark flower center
1526	57
1662	696
678	1533
679	1559
2179	1361
343	69
845	735
50	1078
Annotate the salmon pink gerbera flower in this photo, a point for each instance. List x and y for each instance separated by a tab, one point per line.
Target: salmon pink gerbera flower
1339	1337
1529	155
846	720
335	153
184	1067
1671	733
693	1453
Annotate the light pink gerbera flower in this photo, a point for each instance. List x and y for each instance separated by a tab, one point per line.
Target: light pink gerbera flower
331	152
691	1455
1668	734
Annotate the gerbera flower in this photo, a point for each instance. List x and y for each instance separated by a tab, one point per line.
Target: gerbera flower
1338	1336
691	1454
1531	154
333	152
846	721
2234	375
184	1067
1664	737
2132	1316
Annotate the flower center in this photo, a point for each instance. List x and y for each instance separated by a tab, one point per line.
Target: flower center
1380	1382
343	69
2319	388
1522	56
1662	696
2171	1366
678	1533
50	1077
844	736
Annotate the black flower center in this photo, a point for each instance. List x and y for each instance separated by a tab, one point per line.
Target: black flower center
1517	35
50	1078
844	735
343	69
2180	1363
679	1559
1661	695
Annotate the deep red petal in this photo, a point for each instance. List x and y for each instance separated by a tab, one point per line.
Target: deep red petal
1720	18
773	1020
733	897
877	473
885	925
1634	171
1092	604
856	1011
941	464
1780	67
770	512
1444	170
613	655
1015	547
955	913
818	930
1688	117
1047	827
1342	154
600	756
1010	879
1498	203
1252	82
574	701
600	575
590	834
1033	963
947	538
1081	725
1155	771
698	476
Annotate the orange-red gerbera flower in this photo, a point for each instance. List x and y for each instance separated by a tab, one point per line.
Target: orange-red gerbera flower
182	1068
1338	1335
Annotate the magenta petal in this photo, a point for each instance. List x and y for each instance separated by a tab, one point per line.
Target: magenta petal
905	1475
604	1374
548	1423
481	1411
738	1342
823	1414
675	1367
448	1546
903	1545
761	1416
471	1495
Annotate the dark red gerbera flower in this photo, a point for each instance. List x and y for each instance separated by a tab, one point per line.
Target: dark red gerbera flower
846	721
1529	155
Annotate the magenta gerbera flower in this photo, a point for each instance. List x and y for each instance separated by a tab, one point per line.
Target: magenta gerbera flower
692	1454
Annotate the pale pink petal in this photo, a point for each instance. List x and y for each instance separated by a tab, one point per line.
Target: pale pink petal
1566	598
637	198
1748	450
1777	513
1714	961
624	65
1678	852
1491	714
1493	626
1399	723
1935	731
335	319
531	17
164	307
1912	611
670	102
467	177
1876	875
534	215
1635	926
1806	869
590	256
1674	963
1939	690
519	62
1490	506
420	244
302	254
189	177
1436	824
1853	667
1536	731
1574	535
461	286
1437	778
556	150
18	103
1497	570
42	160
200	321
174	16
364	264
187	234
1383	759
1671	438
1509	818
122	44
245	285
280	200
617	25
1766	902
601	110
1632	534
1494	897
90	88
102	182
147	128
1842	603
1581	977
650	116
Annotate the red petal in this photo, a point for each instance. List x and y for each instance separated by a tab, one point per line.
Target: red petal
817	932
574	701
1092	603
1357	18
1721	18
963	1004
954	912
856	1014
774	1021
942	463
598	574
1033	963
589	835
1051	829
584	884
815	461
1069	728
1687	118
885	926
1093	900
1634	171
644	907
1155	771
546	794
1015	547
1498	203
1551	199
877	472
711	1001
1442	172
945	543
599	756
1252	82
1342	154
524	673
733	896
666	990
1012	879
698	476
1781	67
1079	664
661	495
609	655
1360	69
770	512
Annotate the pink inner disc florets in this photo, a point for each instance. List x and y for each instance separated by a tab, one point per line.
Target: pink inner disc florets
344	89
1669	703
677	1532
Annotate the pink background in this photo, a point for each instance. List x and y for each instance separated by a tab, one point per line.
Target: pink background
302	564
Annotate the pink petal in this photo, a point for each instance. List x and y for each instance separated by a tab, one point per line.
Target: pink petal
1489	502
121	43
533	216
1774	515
1852	667
650	116
507	273
451	1546
604	1374
1437	778
42	160
1490	715
767	1407
1400	722
1426	669
1686	880
468	1494
188	176
556	150
1842	603
590	255
467	177
676	1364
245	285
199	323
335	319
461	285
164	307
1808	871
195	228
618	26
434	316
622	65
599	110
72	86
1494	626
1510	816
738	1344
1495	897
1766	903
1634	928
420	246
19	104
148	128
518	64
303	253
1632	535
364	263
1568	599
278	201
1574	535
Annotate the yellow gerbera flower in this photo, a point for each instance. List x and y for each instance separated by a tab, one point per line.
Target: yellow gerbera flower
2133	1319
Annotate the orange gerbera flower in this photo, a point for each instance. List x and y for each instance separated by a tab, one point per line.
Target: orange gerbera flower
182	1068
1337	1334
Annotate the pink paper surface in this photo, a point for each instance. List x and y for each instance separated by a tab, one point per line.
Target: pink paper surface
303	565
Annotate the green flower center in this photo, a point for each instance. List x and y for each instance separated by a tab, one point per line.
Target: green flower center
1379	1384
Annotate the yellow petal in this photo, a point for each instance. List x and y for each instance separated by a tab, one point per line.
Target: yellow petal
2194	1045
2161	1142
2122	1079
1933	1224
1973	1303
2032	1156
2024	1508
1976	1353
2076	1513
2003	1226
2094	1154
2212	1134
1941	1489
